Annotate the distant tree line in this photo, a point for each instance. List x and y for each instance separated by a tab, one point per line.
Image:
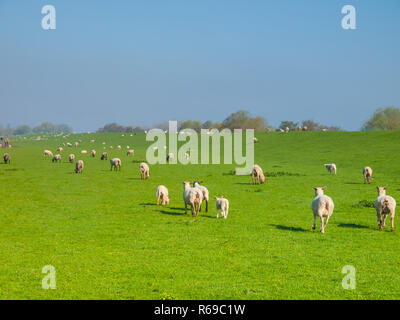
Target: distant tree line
309	124
114	127
45	127
383	119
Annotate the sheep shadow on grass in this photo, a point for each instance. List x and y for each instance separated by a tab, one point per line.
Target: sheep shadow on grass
288	228
352	225
172	213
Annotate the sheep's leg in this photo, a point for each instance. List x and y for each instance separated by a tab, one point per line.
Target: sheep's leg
384	220
364	180
185	208
158	200
206	205
217	213
326	222
226	213
315	222
322	225
392	220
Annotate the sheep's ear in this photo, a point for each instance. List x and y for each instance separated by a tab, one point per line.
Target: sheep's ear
384	188
323	188
315	189
377	188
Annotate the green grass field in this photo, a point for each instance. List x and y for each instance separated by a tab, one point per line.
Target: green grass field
107	239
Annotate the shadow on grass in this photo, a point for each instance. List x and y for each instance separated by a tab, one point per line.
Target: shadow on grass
352	225
244	183
172	213
134	179
353	183
147	204
287	228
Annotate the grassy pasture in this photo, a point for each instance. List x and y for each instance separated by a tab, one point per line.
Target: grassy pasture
107	239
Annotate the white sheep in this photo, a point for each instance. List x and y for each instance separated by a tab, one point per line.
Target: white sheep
130	152
162	193
71	157
331	167
116	164
384	205
84	151
367	173
60	149
257	175
144	171
192	197
93	153
79	166
69	144
119	147
322	206
204	191
48	153
223	205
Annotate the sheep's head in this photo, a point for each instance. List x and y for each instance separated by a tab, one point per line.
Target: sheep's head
319	191
262	179
381	191
186	184
166	199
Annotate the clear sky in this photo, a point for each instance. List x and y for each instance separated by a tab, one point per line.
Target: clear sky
142	62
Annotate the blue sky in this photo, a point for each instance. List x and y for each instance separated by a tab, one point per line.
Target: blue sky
142	62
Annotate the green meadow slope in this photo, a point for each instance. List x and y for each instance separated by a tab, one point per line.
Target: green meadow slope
107	239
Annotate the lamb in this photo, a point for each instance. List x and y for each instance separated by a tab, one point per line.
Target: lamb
130	152
79	166
93	153
119	147
331	167
144	171
76	143
193	197
48	153
84	151
257	175
56	158
6	158
71	158
104	156
60	149
281	130
69	144
116	164
204	191
367	173
187	156
223	205
384	205
287	129
162	193
322	206
170	156
255	140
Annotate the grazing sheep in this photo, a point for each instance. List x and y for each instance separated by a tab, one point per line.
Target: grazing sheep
92	141
331	167
170	156
59	149
93	153
162	193
287	129
187	156
144	171
384	205
193	197
84	151
71	158
367	173
305	128
257	175
79	166
116	164
130	152
76	143
322	206
111	147
104	156
223	205
281	130
119	147
69	144
255	140
56	158
204	191
48	153
6	158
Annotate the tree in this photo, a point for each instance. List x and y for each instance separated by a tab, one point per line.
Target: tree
189	124
241	120
24	129
383	119
207	124
288	124
311	125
